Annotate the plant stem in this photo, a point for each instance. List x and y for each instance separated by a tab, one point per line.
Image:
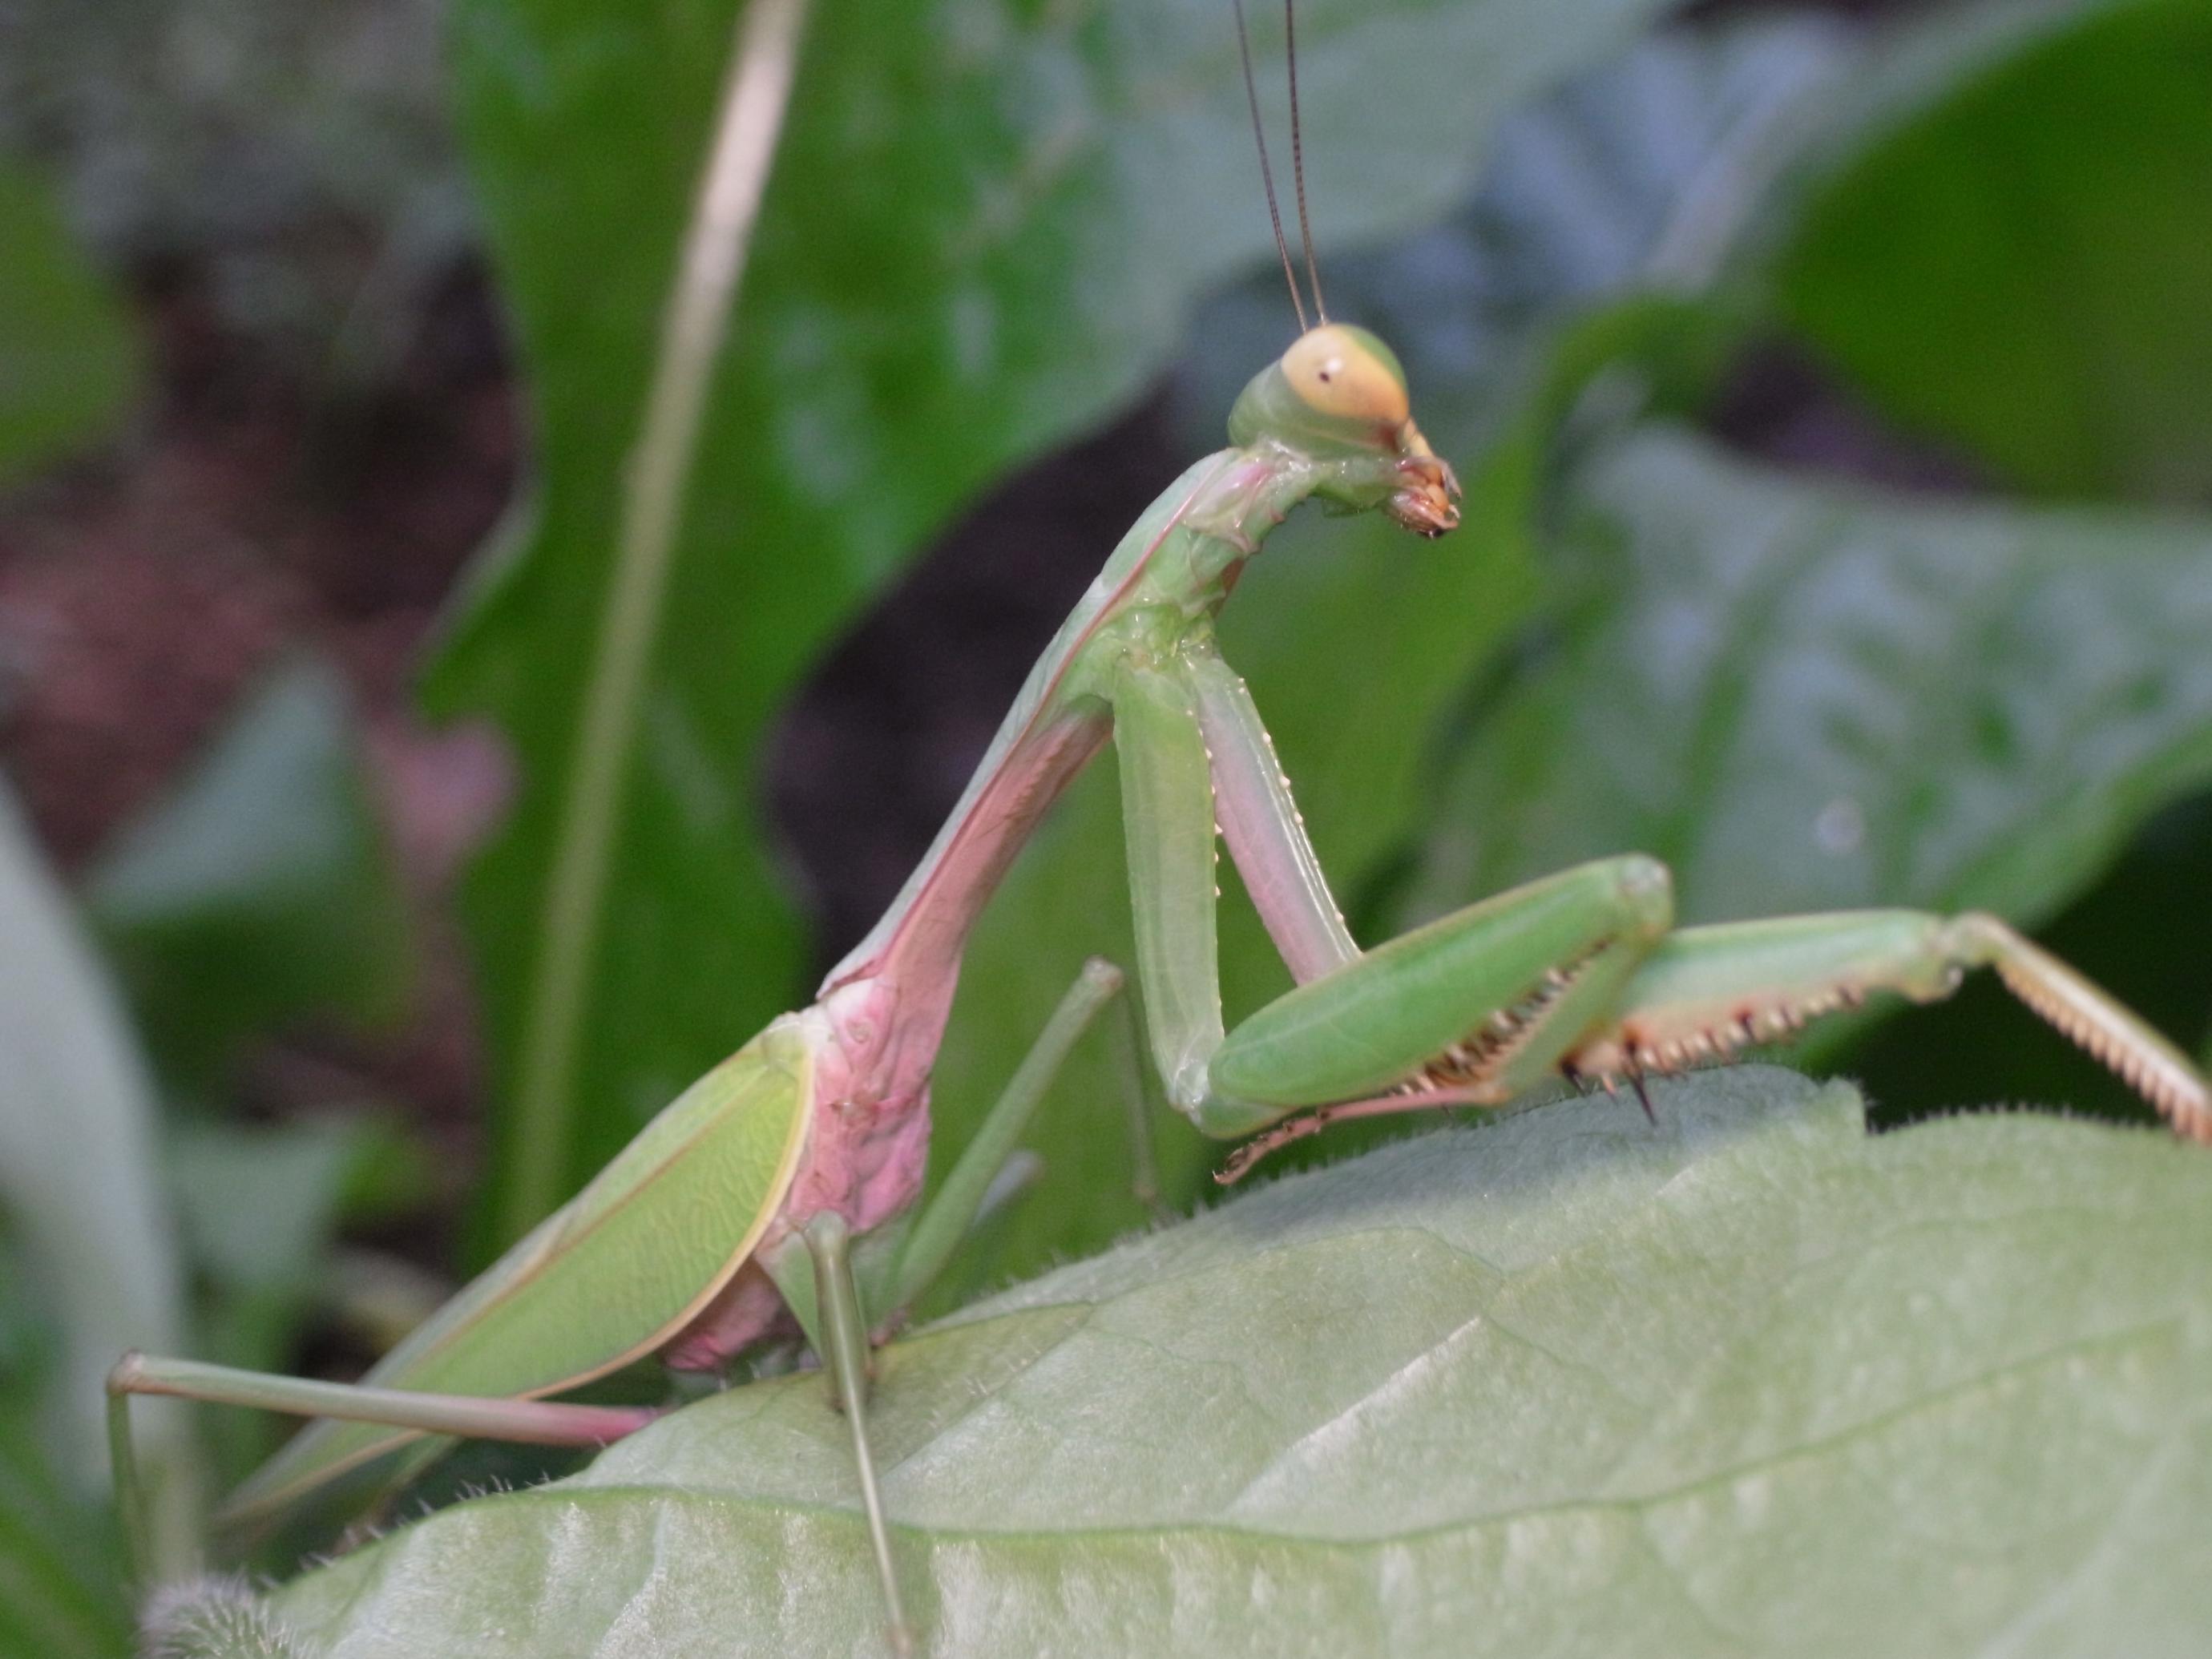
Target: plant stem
755	93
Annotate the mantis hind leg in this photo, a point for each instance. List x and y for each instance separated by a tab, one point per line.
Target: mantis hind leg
1706	992
535	1422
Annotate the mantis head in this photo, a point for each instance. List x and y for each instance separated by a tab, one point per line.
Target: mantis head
1338	397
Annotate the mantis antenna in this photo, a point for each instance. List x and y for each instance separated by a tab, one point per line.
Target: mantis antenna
1298	163
1299	158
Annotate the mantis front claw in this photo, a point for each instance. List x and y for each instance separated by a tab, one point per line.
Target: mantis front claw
1698	995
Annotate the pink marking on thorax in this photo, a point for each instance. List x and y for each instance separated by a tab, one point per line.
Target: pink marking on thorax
922	943
865	1153
885	1008
868	1143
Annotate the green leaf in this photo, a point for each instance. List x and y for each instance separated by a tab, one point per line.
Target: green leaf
61	1586
1608	208
77	1181
983	226
1811	695
1558	1383
69	361
263	890
2014	259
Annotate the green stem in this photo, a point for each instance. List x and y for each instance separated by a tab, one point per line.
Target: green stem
753	96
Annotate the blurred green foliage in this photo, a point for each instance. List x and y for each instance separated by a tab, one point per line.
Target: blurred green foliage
2016	262
1809	696
990	227
89	1264
259	891
69	362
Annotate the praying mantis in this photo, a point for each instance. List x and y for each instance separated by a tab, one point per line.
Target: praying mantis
780	1185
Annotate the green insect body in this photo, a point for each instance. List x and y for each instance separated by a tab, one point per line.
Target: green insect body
774	1183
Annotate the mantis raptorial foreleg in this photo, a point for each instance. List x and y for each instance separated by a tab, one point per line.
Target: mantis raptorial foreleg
1364	1024
1578	974
1704	994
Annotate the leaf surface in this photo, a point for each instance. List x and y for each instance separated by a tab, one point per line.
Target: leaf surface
1554	1383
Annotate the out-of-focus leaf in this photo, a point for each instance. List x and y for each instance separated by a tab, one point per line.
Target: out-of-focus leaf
260	1209
77	1178
263	890
1807	696
61	1556
297	158
2015	258
1564	1382
69	361
258	1204
1627	183
61	1589
984	223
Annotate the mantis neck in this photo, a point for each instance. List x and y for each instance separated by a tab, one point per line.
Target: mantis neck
1170	572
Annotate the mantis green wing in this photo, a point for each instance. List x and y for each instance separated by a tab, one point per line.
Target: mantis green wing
611	1275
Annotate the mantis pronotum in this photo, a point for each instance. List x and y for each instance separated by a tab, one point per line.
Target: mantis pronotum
770	1188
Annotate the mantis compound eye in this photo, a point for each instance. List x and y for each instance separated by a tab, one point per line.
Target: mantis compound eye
1348	373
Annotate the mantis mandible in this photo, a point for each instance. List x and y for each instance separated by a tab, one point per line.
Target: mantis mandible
779	1185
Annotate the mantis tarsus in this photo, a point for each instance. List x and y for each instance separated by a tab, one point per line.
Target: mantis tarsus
781	1181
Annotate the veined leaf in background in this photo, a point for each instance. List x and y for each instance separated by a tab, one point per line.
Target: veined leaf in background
2014	256
1560	1382
984	223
